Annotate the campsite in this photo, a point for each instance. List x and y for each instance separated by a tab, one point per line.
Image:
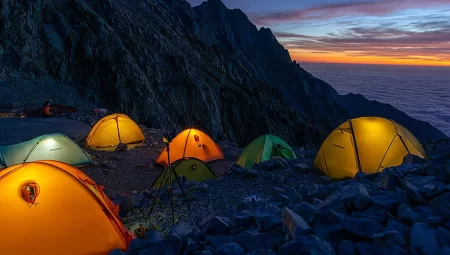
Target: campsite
217	186
222	127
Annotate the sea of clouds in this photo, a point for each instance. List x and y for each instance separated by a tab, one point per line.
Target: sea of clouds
421	92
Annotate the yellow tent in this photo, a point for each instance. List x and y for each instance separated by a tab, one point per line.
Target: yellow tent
49	207
367	144
113	130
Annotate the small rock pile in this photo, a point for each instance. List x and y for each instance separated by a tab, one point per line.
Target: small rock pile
402	210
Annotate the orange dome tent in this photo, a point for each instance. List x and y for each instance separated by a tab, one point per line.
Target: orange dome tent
112	130
53	208
191	143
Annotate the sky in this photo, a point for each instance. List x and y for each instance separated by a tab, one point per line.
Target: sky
402	32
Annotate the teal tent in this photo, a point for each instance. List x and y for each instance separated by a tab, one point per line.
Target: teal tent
46	147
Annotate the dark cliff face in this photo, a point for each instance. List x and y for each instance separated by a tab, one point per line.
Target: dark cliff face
152	60
259	52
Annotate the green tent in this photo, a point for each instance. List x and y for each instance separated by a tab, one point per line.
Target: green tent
192	168
45	147
264	148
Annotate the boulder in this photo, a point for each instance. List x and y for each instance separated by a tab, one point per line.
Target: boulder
262	252
151	238
230	249
414	194
372	212
295	224
333	202
202	252
346	248
432	189
389	238
306	210
423	239
441	205
356	195
393	225
390	178
219	240
271	165
219	226
365	248
302	168
443	236
407	215
435	221
243	221
170	246
308	245
253	241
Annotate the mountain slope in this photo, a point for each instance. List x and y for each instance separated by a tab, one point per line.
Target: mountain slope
259	51
141	58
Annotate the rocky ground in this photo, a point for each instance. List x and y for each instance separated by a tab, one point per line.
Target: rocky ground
282	206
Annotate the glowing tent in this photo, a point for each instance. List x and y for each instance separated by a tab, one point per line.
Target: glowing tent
264	148
191	143
191	168
367	144
46	147
113	130
54	208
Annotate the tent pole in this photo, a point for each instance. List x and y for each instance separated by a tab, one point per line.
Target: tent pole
356	146
185	143
118	131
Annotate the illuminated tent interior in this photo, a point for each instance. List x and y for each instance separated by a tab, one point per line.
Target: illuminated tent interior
367	144
46	147
191	143
191	168
54	208
113	130
265	148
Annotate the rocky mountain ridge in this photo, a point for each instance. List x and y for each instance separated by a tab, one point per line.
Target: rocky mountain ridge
165	64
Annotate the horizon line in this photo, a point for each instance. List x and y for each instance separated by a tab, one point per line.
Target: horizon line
368	63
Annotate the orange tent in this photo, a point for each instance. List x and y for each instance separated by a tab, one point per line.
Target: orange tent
112	130
191	143
49	207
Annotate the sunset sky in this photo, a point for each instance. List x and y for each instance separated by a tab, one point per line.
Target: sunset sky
411	32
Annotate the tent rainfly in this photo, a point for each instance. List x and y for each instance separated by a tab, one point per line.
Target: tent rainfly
191	168
46	147
264	148
191	143
54	208
366	144
113	130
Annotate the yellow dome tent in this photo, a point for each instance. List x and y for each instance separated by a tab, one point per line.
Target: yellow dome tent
53	208
367	144
191	143
113	130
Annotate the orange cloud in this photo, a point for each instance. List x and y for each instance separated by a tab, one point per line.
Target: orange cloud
342	57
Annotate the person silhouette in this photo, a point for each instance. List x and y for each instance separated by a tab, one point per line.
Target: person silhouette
46	113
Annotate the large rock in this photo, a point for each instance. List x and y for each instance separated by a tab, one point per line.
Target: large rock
308	245
230	249
219	225
253	241
365	248
306	210
295	224
441	205
423	239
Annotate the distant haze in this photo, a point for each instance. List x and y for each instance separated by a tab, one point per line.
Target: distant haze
406	32
421	92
